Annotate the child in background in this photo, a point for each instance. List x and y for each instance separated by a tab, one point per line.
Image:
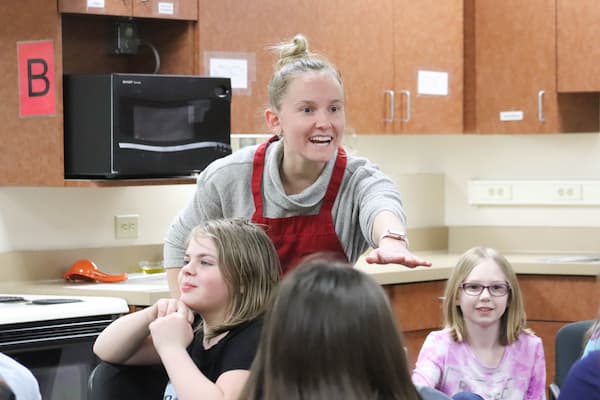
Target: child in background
485	347
583	379
16	381
330	334
230	269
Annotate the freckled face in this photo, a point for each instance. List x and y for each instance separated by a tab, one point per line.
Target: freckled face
202	285
312	117
483	310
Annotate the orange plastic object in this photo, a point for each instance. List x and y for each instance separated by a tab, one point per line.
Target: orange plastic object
86	270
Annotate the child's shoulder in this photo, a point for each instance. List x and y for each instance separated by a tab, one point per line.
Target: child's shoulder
441	336
527	340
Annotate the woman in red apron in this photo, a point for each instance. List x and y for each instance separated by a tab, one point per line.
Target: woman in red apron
301	186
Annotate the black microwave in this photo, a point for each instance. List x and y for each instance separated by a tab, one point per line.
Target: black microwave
144	126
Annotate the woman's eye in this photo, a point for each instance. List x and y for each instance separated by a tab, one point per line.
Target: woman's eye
307	109
473	286
186	261
334	108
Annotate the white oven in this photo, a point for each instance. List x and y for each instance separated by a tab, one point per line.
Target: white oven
53	337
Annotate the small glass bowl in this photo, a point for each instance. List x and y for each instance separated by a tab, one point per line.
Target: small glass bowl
152	267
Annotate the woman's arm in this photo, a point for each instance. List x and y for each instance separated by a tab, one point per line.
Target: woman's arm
390	250
173	281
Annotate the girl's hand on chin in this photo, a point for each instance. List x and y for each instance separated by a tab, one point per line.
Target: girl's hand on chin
164	307
173	330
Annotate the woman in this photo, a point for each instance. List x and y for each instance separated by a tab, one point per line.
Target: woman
231	268
330	334
301	185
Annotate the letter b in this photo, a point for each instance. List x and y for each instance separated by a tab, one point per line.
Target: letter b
31	77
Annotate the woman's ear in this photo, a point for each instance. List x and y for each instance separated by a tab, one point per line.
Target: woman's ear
273	121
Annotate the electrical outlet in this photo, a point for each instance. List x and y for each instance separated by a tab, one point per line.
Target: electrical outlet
126	226
490	192
566	191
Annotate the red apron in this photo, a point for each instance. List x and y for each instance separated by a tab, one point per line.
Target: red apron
301	235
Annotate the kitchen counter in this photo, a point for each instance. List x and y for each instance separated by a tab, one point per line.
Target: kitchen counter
141	290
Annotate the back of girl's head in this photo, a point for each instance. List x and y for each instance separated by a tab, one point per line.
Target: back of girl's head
294	59
330	334
249	264
513	321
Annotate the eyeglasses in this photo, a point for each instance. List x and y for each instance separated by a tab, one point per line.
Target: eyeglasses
495	289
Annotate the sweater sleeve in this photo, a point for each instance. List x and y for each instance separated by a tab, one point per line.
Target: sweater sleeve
430	364
537	382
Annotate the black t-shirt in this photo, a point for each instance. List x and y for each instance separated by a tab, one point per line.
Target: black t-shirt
234	351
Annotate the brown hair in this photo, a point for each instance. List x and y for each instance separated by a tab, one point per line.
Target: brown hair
330	334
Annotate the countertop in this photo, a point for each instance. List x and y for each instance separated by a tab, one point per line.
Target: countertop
146	289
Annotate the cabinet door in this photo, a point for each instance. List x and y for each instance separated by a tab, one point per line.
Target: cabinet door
102	7
428	38
577	45
31	148
515	66
358	40
167	9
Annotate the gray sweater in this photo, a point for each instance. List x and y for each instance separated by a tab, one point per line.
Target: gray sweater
224	190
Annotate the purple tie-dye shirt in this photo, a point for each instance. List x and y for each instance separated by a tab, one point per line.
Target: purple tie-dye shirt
451	367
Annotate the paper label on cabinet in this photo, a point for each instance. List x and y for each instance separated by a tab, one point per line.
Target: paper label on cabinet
166	8
511	115
235	69
95	3
432	83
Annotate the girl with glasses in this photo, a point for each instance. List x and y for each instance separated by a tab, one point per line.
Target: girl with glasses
485	350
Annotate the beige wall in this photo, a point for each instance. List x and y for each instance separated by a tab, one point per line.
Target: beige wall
432	172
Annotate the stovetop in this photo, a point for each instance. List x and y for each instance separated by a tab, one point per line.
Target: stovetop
18	308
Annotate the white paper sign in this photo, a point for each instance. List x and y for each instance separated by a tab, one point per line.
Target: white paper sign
432	82
236	69
95	3
511	115
166	8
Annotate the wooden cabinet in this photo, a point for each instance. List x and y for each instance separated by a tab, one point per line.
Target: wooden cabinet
510	78
377	48
577	35
418	309
428	38
31	148
167	9
553	301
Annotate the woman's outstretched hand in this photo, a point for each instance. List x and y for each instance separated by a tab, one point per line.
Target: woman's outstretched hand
393	251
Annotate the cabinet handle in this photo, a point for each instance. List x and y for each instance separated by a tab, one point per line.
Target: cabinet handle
541	105
407	115
392	105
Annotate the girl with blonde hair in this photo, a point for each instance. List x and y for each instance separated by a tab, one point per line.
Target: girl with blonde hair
230	270
485	347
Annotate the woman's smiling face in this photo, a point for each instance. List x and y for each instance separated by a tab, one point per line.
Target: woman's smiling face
311	118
